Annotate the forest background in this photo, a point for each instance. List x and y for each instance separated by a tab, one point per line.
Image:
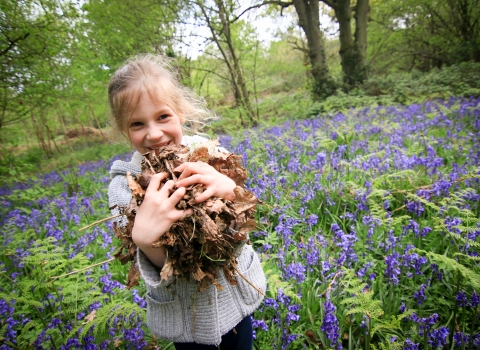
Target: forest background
57	57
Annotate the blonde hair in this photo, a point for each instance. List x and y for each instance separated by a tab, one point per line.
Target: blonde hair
156	76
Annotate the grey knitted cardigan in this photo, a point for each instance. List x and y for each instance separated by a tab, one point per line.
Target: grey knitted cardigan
176	311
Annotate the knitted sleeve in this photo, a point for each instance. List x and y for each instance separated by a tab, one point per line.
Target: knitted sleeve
119	195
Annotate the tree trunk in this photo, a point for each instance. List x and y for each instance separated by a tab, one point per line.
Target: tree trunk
361	23
352	53
343	13
309	20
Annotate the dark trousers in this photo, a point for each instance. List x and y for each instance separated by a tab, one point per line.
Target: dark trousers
239	338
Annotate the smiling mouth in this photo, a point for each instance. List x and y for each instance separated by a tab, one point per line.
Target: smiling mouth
157	147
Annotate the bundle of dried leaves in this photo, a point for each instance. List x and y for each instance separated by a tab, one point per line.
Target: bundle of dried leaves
197	246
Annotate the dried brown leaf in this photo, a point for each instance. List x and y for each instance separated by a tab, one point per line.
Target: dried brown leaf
133	275
90	317
137	190
166	271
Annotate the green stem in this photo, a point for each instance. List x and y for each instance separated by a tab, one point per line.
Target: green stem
478	209
350	344
45	326
455	309
474	322
10	344
367	335
64	309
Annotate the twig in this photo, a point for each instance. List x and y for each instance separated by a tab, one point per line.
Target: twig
246	280
170	170
330	284
85	268
149	164
99	222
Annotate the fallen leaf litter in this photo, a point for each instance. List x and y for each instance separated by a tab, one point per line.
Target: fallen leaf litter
197	246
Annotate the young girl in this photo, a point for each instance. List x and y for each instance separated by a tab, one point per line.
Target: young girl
150	107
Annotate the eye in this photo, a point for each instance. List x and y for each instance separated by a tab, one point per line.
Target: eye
163	116
136	124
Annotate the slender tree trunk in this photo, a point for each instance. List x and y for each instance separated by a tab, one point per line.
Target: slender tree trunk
98	123
64	131
50	136
309	21
240	78
41	140
224	41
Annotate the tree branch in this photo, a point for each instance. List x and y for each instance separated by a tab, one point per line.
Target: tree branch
330	3
13	42
282	4
210	71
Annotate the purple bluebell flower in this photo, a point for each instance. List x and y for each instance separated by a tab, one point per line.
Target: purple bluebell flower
475	299
392	271
138	299
409	345
295	270
460	339
330	325
462	300
270	302
259	324
424	323
415	207
437	338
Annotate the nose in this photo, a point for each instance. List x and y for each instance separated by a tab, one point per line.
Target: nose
154	132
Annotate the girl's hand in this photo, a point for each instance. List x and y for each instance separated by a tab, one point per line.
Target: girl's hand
217	185
155	216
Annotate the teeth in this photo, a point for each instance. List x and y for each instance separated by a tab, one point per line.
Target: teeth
157	148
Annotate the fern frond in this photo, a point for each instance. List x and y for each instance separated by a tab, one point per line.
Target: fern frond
367	157
468	257
106	314
327	144
394	324
22	300
414	197
449	264
460	238
388	179
362	302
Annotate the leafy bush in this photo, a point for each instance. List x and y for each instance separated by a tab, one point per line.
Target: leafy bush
462	80
457	80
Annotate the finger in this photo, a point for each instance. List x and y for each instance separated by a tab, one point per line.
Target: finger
166	189
180	214
181	167
204	196
194	179
187	169
155	182
177	195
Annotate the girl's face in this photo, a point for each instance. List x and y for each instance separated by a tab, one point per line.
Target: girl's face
153	125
